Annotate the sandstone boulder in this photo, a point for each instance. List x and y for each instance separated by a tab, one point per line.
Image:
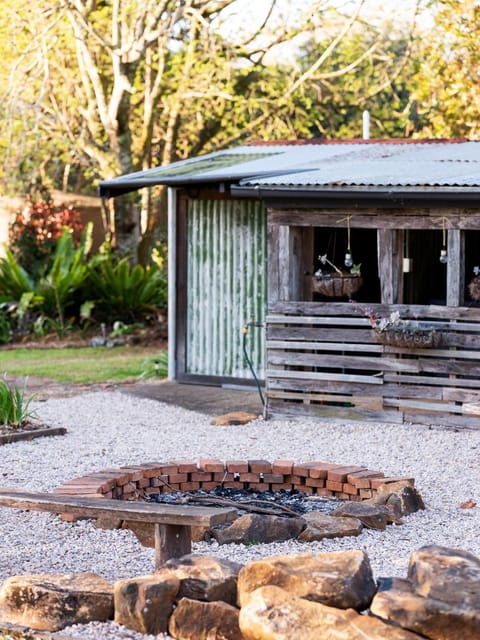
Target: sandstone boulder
194	620
234	418
51	602
204	577
145	603
255	527
441	599
337	579
320	526
372	516
271	613
402	493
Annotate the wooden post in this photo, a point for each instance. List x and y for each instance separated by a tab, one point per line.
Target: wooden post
171	541
455	268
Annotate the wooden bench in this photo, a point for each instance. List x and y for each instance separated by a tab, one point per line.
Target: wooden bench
172	522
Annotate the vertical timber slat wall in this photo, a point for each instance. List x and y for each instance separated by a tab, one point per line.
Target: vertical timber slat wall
226	287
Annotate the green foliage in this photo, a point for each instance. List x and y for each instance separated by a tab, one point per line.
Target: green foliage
155	367
5	328
14	407
37	227
124	292
14	279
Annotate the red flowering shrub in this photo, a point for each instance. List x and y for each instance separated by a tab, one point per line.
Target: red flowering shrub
34	233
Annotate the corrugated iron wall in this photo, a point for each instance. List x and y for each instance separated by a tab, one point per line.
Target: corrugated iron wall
226	286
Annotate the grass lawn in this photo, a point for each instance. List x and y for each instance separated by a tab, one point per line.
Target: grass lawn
85	365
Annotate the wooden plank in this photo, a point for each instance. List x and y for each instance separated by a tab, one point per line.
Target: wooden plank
332	414
442	419
425	405
433	380
171	541
316	334
323	361
290	310
461	395
373	218
273	275
369	402
316	375
325	346
331	386
123	510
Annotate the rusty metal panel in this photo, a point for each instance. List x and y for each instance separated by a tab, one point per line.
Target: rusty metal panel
226	284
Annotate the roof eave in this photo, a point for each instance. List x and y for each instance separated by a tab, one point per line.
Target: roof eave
391	195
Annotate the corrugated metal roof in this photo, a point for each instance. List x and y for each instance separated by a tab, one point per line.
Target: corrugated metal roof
336	165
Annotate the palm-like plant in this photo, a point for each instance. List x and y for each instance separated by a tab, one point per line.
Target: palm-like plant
14	406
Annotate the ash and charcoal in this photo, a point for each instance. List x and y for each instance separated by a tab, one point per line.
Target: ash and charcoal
281	502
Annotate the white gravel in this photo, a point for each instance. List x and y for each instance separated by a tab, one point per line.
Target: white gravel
112	429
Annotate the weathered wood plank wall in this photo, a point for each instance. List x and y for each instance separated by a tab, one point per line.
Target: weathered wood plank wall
324	360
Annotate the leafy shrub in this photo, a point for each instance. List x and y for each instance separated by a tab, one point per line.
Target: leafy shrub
34	233
14	407
124	292
5	328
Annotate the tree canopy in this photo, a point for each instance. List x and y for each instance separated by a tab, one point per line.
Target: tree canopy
97	88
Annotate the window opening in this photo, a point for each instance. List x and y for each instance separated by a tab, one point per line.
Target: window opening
424	276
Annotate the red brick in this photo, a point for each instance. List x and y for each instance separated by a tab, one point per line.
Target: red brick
159	481
283	466
340	474
168	467
301	470
134	473
315	482
201	476
260	466
323	492
355	498
150	469
365	494
321	469
233	485
303	489
151	490
131	487
260	486
186	467
176	478
342	496
237	466
190	486
334	486
208	486
211	464
377	482
350	489
273	478
361	479
143	483
122	479
294	479
223	477
287	486
249	477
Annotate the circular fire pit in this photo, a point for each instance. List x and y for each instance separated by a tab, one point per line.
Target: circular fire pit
355	483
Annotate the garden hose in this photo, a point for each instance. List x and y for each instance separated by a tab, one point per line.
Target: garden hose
245	330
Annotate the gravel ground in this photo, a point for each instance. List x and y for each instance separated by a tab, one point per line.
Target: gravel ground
110	429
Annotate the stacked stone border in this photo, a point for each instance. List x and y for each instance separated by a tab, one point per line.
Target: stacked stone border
315	478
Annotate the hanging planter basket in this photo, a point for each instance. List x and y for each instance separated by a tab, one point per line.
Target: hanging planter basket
474	289
411	338
335	285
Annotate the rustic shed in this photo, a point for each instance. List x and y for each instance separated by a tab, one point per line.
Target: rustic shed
359	259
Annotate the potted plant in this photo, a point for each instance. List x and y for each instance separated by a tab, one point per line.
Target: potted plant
395	331
336	283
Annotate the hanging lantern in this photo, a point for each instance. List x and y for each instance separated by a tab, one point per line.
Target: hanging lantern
443	251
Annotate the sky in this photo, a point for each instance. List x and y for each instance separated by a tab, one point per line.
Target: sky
245	16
